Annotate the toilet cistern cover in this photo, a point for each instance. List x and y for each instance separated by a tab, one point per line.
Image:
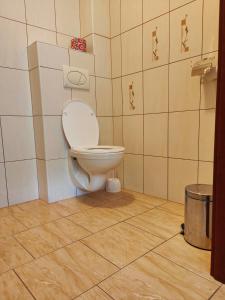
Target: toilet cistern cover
80	125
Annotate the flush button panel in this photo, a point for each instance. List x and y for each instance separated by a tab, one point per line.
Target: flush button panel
76	78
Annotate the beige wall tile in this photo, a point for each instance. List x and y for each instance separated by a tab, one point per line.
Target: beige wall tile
35	92
193	14
104	96
13	52
87	96
85	17
18	138
118	131
133	134
13	9
207	129
117	97
132	51
50	56
177	3
155	176
154	8
133	172
60	185
115	17
42	179
156	90
82	60
101	20
67	17
205	172
184	88
131	14
106	130
63	40
136	81
155	134
181	173
161	57
116	56
183	134
119	173
41	13
101	48
24	187
210	25
42	35
16	97
53	94
54	135
209	89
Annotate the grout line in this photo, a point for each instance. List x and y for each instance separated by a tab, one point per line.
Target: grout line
180	265
55	23
168	108
24	284
4	162
215	292
143	101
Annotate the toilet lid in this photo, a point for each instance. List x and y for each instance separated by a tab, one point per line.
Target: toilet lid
80	125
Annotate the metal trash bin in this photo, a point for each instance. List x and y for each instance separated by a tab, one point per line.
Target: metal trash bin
198	215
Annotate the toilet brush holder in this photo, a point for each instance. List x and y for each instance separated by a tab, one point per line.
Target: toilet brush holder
113	185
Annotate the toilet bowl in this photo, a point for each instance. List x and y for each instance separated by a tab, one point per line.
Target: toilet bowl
89	163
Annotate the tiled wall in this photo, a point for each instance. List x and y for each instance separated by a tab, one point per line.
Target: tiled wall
169	135
21	23
95	27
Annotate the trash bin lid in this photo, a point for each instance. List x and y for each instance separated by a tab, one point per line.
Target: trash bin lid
200	191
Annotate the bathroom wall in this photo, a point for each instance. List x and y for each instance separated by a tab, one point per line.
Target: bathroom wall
95	28
49	96
169	135
22	23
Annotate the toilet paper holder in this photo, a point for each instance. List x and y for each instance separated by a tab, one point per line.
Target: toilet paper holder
205	68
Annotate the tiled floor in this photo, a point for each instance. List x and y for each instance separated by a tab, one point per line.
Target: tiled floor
103	246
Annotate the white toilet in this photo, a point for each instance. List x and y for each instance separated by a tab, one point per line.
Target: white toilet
89	163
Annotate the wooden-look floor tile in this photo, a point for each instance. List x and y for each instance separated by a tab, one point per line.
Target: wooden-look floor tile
94	294
220	295
12	254
10	226
148	200
98	218
158	222
11	288
4	211
51	236
34	213
153	277
187	256
122	243
127	205
65	273
102	195
173	207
